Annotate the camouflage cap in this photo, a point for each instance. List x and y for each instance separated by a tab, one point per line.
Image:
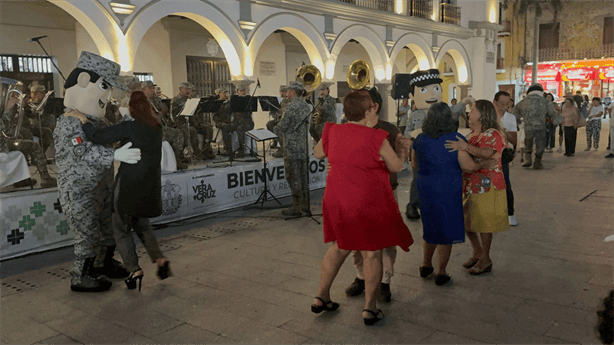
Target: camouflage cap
131	80
186	85
36	88
108	70
147	83
220	90
296	86
283	88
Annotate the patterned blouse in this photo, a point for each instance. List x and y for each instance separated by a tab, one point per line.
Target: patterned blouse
481	180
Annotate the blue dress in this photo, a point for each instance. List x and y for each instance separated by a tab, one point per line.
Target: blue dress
440	188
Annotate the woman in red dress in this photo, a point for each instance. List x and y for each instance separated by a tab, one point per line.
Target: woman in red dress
359	209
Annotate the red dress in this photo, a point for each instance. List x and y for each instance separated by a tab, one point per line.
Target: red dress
359	209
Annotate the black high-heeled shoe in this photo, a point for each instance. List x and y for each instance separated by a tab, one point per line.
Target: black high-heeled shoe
376	316
131	281
325	306
164	271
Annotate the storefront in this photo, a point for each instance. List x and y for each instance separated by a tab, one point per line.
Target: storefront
594	78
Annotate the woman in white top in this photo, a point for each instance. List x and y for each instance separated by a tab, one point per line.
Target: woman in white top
593	124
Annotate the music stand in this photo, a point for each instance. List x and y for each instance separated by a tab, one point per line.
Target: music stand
263	135
269	103
211	105
243	104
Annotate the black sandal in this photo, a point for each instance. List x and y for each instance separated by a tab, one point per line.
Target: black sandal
426	271
320	308
375	318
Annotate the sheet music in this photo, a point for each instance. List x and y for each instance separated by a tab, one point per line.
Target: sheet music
124	111
261	134
190	107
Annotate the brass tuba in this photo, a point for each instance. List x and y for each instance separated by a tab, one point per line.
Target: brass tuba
7	88
359	75
312	78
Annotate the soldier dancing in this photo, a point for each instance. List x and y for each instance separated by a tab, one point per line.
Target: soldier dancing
27	147
277	115
295	146
327	113
172	135
85	177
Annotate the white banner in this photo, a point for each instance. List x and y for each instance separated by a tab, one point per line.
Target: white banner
33	221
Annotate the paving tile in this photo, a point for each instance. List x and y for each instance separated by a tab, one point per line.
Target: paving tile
90	329
225	282
571	332
20	329
264	312
139	339
38	306
556	313
323	329
186	334
298	285
440	337
58	339
139	320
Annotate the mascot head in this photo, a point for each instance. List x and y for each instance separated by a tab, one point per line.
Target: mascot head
89	86
425	88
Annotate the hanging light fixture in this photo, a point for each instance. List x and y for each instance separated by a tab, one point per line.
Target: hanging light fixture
122	7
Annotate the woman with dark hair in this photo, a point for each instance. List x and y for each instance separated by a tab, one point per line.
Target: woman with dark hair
485	199
550	127
571	118
440	188
359	209
137	192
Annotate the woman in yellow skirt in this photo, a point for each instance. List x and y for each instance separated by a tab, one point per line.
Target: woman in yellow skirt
484	200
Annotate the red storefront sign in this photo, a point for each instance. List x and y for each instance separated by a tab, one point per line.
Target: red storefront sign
545	73
578	74
606	74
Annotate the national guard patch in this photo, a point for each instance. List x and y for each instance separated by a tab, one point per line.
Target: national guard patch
75	141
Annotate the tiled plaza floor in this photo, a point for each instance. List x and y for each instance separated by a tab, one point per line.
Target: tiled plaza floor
252	280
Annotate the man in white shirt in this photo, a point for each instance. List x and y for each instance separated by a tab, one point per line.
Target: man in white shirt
593	124
510	126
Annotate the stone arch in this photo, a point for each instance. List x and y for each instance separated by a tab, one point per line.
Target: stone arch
299	27
373	44
418	45
225	32
97	22
461	60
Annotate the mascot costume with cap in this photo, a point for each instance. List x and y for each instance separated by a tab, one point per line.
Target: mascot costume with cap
424	90
85	177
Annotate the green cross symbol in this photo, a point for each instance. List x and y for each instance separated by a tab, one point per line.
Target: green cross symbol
37	209
62	228
27	223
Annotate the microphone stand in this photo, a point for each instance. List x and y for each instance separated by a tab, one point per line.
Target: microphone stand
53	62
305	121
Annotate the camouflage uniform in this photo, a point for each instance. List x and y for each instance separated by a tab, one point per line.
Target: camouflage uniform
28	147
277	116
173	136
222	119
327	114
30	123
295	145
535	109
85	186
182	123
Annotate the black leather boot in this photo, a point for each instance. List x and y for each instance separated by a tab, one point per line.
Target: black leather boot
89	280
412	212
112	268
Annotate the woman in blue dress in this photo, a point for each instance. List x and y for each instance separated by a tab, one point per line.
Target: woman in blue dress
440	187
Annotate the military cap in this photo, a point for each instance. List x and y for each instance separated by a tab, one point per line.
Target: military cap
424	78
147	83
108	70
296	86
38	87
243	85
186	85
220	90
131	80
324	85
283	88
158	89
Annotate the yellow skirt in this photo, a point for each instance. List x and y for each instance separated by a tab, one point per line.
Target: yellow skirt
486	212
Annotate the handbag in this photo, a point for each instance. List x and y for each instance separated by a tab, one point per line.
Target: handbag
508	155
581	121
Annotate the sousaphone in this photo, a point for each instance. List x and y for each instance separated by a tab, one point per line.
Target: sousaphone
359	75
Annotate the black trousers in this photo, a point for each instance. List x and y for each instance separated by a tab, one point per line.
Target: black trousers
570	140
508	189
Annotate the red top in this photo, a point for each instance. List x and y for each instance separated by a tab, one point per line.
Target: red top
359	209
481	180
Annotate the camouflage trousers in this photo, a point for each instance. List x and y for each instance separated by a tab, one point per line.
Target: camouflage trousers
89	214
270	125
192	135
297	176
537	137
44	134
241	129
33	150
175	138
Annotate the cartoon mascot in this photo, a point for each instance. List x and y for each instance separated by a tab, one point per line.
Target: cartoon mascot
85	177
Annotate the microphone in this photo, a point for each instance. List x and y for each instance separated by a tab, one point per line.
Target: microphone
258	84
36	38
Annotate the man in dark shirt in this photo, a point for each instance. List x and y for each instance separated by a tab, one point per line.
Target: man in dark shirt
389	254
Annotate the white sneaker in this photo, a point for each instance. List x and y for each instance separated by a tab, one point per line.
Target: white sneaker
513	221
560	150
